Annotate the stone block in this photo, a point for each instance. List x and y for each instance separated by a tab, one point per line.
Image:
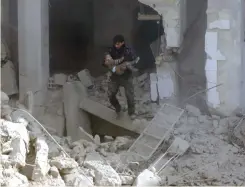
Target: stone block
74	93
63	163
60	79
18	154
41	161
105	175
85	78
54	172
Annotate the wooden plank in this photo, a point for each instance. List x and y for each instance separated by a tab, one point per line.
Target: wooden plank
109	115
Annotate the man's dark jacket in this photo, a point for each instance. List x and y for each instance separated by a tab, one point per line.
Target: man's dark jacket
126	52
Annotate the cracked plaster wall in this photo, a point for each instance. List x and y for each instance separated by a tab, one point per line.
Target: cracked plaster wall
224	59
171	10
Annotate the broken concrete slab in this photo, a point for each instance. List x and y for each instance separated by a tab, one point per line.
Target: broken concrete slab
85	78
63	163
105	175
41	161
77	179
109	115
60	79
14	130
74	92
18	154
13	178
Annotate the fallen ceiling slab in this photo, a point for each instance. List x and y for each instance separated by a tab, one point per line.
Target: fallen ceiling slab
109	115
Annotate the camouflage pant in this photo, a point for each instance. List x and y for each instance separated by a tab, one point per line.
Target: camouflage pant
113	88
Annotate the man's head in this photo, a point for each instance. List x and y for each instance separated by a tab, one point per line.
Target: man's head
118	41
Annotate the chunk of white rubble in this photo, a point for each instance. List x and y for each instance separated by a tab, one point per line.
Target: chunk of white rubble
108	139
6	147
60	79
4	98
5	162
6	111
147	178
193	111
14	130
127	179
85	78
78	153
49	181
63	163
77	179
97	139
18	154
121	143
105	175
12	178
41	162
54	171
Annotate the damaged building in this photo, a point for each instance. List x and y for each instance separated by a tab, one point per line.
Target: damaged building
57	125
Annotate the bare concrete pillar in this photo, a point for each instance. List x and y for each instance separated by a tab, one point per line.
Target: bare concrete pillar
33	46
223	44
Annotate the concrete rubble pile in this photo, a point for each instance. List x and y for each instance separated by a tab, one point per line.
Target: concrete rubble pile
209	148
30	157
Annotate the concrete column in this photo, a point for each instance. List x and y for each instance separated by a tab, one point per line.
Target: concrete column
223	43
33	44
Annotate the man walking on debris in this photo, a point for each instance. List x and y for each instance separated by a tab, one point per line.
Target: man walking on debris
117	60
